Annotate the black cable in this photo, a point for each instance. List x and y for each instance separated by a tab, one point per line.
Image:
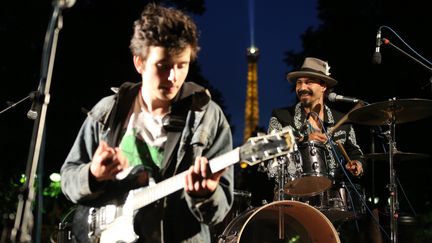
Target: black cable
329	140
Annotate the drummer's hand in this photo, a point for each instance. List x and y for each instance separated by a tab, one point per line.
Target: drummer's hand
355	167
317	136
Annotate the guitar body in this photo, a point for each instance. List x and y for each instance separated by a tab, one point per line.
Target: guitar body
111	218
121	230
108	224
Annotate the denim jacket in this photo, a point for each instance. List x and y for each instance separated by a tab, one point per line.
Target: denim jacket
196	126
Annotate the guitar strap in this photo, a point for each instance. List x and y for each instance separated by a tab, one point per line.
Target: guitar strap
192	98
174	126
119	113
171	146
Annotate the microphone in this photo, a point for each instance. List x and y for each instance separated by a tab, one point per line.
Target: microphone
35	96
376	58
63	4
333	97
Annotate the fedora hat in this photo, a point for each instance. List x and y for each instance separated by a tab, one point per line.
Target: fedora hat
315	68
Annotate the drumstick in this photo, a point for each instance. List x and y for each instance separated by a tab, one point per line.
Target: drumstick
344	153
344	118
349	162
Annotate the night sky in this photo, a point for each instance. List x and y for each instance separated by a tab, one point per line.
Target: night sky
225	35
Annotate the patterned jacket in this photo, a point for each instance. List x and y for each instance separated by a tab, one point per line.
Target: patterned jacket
294	117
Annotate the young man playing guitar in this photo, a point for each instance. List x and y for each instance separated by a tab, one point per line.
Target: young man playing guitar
150	131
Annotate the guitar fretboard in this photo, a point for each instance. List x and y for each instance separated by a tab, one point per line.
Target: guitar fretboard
145	196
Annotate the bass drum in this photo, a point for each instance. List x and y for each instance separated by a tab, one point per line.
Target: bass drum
299	222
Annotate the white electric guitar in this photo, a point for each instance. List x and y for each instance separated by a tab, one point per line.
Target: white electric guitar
114	223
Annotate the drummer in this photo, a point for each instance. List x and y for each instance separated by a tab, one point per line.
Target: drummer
311	119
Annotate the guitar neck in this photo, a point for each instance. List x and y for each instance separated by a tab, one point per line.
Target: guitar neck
152	193
144	196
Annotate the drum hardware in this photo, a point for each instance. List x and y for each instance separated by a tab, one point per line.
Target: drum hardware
398	156
390	113
242	203
240	193
279	167
65	233
281	224
339	203
342	206
282	163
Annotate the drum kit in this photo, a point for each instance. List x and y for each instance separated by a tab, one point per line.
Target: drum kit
309	202
316	202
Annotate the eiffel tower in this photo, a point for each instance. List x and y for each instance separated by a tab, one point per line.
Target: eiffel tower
251	106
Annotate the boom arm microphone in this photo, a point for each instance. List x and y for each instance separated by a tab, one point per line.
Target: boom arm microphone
333	97
376	58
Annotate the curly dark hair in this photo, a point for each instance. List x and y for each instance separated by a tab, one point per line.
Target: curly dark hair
165	27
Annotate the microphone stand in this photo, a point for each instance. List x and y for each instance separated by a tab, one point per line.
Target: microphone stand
23	226
13	104
394	204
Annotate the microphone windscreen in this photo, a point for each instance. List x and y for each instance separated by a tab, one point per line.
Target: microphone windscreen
376	58
332	97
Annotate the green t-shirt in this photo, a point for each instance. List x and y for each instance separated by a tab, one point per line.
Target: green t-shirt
144	135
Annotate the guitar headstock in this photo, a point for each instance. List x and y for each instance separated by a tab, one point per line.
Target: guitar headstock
265	147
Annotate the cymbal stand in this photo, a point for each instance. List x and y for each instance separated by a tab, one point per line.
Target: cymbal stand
282	162
392	187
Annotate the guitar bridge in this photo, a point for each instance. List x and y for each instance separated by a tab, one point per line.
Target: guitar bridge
100	218
91	221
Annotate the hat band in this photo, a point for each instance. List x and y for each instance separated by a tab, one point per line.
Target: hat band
312	70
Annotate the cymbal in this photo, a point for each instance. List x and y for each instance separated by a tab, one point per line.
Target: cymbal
397	156
381	113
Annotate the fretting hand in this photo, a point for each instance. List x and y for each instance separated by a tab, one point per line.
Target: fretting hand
199	182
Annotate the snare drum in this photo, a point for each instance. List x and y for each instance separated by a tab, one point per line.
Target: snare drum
308	174
280	221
